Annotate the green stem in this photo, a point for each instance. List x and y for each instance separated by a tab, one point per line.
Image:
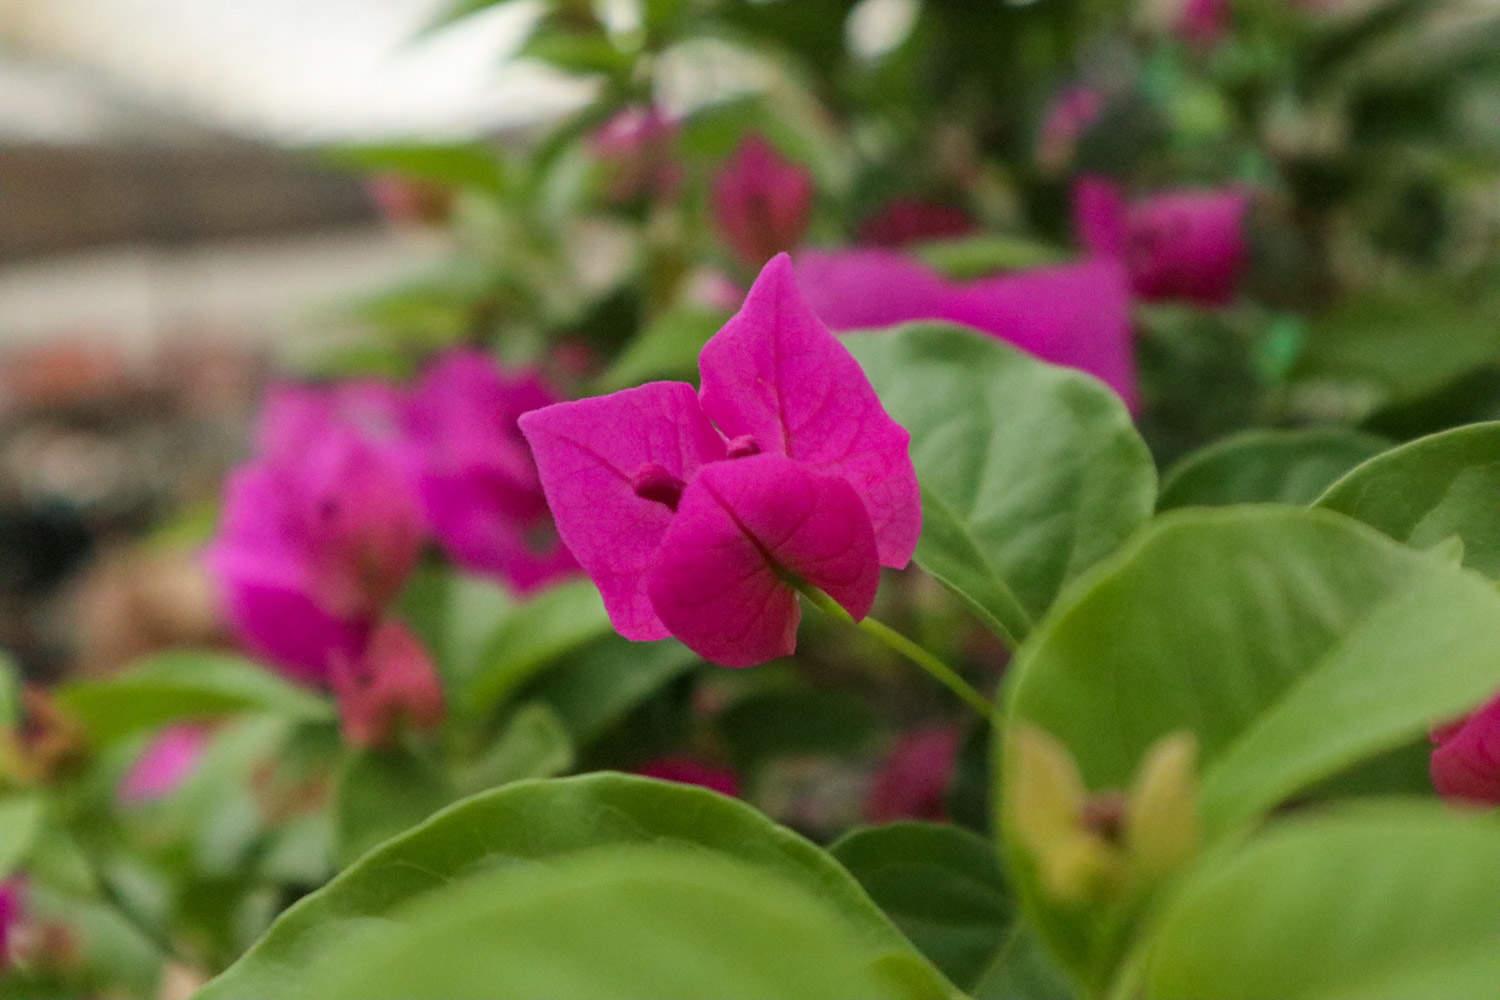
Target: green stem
895	641
144	926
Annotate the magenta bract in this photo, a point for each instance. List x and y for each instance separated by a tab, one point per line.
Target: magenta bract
1076	315
762	201
1466	758
318	535
636	148
912	782
475	475
390	687
1188	245
903	221
692	771
164	764
691	511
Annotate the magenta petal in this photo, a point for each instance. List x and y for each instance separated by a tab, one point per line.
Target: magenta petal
1101	216
588	454
1076	315
774	373
719	583
1189	245
165	763
1466	761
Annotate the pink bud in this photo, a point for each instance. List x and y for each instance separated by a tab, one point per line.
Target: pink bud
164	764
392	686
1070	115
1466	757
12	909
691	771
912	782
1202	23
762	201
637	150
903	221
409	202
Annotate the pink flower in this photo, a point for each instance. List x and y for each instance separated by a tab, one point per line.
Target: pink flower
390	687
1201	23
1466	757
762	201
1070	115
904	221
691	510
691	771
12	911
912	782
1186	245
318	536
637	150
1076	315
477	481
164	764
404	201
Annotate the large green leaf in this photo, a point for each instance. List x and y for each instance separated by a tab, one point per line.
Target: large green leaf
667	348
1293	467
1435	488
1030	473
531	636
534	821
941	885
1293	643
1399	902
181	685
636	923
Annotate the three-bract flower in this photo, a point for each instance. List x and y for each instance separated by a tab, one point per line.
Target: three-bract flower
697	513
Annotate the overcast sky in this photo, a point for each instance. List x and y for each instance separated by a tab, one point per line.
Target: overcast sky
300	69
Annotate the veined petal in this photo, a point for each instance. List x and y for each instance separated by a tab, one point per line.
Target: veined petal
720	585
776	374
589	454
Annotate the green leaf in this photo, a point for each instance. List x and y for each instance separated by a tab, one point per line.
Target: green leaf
534	744
531	636
458	164
381	793
10	692
1293	643
580	52
20	822
600	685
458	10
667	348
629	924
1030	473
1292	467
544	821
1022	970
1434	488
1402	345
941	885
183	685
798	722
1399	902
980	256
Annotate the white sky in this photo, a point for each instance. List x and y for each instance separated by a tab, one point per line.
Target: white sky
300	69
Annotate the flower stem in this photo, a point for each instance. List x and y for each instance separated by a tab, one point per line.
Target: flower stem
895	641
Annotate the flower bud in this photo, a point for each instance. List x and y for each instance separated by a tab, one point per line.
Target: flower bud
1162	829
762	202
393	686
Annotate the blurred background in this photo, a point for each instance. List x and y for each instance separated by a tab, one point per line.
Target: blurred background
194	193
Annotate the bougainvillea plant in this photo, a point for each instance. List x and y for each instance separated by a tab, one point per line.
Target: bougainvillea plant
1127	369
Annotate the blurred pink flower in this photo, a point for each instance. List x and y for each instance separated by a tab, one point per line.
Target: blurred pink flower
1466	757
762	201
903	221
12	911
1076	315
637	148
692	771
318	536
912	782
390	687
164	764
1202	23
475	475
404	201
1071	114
1189	244
689	509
